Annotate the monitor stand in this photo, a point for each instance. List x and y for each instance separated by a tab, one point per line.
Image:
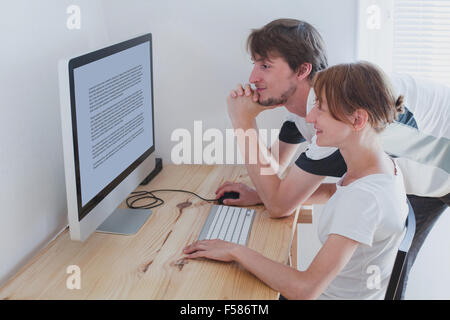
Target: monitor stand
125	221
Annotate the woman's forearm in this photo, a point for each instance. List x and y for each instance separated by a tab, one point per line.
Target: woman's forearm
291	283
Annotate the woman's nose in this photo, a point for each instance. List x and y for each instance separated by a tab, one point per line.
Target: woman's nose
311	116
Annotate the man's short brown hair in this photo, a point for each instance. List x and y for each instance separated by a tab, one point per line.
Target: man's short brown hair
295	41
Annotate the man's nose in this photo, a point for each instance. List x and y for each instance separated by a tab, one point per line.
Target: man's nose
254	76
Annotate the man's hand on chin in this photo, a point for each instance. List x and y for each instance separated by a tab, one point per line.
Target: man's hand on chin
243	105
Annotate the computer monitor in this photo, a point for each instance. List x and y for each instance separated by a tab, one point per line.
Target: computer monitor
108	134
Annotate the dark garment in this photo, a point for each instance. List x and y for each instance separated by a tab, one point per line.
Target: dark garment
290	134
333	165
427	211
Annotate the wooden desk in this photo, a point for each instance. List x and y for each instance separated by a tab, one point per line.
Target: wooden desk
142	266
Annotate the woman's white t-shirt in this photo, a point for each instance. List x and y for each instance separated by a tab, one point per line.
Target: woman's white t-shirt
372	211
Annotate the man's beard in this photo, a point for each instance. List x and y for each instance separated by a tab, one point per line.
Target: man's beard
272	101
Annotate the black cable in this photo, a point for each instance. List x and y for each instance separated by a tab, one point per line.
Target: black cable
139	195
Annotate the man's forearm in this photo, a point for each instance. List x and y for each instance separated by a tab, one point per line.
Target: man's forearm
263	176
283	153
322	194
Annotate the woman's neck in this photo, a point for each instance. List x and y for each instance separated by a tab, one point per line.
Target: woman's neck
363	156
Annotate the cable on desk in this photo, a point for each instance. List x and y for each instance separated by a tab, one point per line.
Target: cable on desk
156	202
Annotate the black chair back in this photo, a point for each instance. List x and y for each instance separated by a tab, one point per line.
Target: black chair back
402	254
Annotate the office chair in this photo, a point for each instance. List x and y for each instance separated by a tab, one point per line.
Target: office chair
402	254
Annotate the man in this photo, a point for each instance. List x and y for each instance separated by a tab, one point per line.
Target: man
287	53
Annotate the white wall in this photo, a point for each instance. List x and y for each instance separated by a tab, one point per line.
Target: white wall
199	55
32	190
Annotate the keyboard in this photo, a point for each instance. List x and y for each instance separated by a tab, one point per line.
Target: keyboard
228	223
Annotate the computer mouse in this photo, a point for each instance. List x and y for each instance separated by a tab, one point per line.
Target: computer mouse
228	195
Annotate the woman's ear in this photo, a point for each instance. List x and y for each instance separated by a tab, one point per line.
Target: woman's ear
304	71
359	119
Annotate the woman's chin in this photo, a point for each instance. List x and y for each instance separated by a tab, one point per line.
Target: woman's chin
322	143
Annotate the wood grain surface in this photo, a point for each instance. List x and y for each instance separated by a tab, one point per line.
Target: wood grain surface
147	265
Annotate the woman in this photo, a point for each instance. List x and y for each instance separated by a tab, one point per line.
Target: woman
363	222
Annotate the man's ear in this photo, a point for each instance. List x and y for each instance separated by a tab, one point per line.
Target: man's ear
304	71
359	119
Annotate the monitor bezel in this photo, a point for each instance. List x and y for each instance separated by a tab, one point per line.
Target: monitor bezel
79	62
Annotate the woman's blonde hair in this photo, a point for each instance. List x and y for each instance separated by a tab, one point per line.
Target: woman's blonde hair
362	85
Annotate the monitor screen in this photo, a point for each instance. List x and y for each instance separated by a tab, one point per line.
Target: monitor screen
112	117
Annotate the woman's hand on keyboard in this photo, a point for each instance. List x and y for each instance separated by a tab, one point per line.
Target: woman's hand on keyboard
247	195
212	249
